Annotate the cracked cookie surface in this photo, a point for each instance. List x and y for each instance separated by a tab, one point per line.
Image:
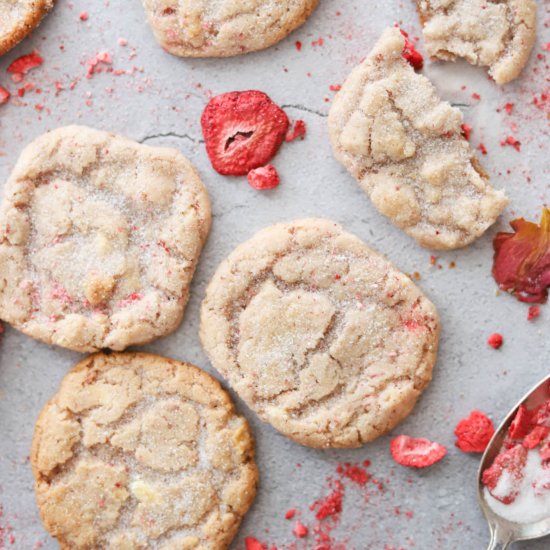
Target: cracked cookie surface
405	147
220	28
99	239
321	336
137	451
18	18
498	34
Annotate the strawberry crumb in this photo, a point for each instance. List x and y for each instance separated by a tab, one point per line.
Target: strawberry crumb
290	513
84	16
265	177
253	544
297	130
298	45
122	42
509	107
511	140
476	96
533	313
335	87
482	148
495	340
300	530
4	95
318	42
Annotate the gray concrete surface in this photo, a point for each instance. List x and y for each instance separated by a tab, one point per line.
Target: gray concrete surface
160	102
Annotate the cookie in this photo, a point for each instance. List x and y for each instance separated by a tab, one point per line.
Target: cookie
138	451
222	28
498	34
18	18
99	239
405	147
321	336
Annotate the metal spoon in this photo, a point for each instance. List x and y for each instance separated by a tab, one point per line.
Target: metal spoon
504	532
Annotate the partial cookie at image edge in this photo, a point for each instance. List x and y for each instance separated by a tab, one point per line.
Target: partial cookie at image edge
64	439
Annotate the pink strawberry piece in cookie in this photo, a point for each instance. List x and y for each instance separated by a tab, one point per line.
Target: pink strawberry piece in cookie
242	131
265	177
474	433
416	453
411	54
503	477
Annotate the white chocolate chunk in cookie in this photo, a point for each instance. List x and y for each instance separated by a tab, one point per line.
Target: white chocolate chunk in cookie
149	451
99	239
405	147
221	28
320	335
498	34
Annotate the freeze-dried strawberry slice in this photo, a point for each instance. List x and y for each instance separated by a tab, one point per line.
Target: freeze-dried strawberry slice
416	453
265	177
535	437
25	63
474	433
511	462
411	54
521	263
521	425
4	95
242	131
545	452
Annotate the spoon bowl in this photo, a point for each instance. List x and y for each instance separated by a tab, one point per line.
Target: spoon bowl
503	531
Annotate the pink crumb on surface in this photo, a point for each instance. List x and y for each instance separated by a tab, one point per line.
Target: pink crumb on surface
495	340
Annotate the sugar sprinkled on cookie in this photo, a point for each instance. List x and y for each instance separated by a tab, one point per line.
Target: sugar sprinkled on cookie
495	34
221	28
99	239
139	451
406	148
18	18
320	335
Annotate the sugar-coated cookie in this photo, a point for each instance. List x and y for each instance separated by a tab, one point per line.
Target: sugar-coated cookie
137	451
221	28
405	147
321	336
99	239
18	18
498	34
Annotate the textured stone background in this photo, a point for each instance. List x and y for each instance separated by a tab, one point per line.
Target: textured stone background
160	102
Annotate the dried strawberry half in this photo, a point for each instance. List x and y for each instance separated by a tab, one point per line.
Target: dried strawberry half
242	131
416	453
521	425
474	433
511	461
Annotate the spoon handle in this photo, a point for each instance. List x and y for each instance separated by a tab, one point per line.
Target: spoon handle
500	539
